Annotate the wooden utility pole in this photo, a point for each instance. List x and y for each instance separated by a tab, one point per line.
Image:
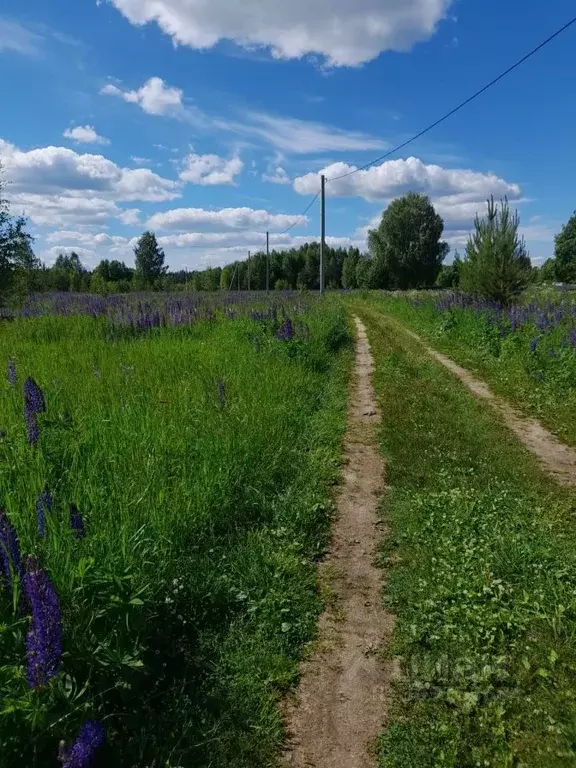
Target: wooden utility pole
267	262
322	230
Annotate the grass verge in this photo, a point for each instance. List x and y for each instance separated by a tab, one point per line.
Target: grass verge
482	576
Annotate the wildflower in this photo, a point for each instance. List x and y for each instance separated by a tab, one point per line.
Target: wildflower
44	639
76	522
222	393
12	375
9	549
534	343
43	505
33	396
81	754
34	403
286	330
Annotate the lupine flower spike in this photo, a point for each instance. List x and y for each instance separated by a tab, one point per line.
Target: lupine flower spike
34	404
81	754
44	639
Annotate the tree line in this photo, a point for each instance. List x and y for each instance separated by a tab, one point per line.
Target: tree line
405	251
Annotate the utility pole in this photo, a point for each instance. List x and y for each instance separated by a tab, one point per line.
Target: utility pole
248	270
267	262
322	230
239	270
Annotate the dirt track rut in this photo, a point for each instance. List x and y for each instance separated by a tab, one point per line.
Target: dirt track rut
340	706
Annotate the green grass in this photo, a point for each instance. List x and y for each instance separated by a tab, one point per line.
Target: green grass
187	605
482	576
540	382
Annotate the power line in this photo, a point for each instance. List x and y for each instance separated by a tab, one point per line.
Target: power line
462	105
304	212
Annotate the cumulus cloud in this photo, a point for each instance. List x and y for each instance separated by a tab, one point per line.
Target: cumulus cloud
396	177
344	33
64	210
130	217
59	182
84	134
199	219
154	97
209	170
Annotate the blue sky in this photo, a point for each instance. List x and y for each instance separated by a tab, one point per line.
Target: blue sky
210	122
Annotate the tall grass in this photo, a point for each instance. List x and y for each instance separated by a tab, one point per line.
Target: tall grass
200	460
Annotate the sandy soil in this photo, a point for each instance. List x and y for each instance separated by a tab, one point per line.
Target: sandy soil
340	706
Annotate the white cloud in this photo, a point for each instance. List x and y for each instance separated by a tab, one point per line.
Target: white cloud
154	97
276	176
303	136
85	134
59	182
286	134
17	38
140	160
130	217
396	177
62	210
199	219
345	33
208	170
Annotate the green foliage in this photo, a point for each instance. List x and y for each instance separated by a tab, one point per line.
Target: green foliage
19	267
149	261
449	276
548	272
565	252
407	247
497	264
187	605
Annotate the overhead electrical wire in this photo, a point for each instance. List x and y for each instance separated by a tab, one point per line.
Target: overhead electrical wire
301	216
460	106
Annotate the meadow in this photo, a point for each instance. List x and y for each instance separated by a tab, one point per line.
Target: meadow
166	467
526	352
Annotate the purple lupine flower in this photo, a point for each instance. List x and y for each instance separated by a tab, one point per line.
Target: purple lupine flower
9	549
43	505
222	393
81	754
34	403
12	375
77	522
33	396
44	638
286	330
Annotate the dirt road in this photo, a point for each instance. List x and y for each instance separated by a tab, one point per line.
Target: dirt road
340	705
